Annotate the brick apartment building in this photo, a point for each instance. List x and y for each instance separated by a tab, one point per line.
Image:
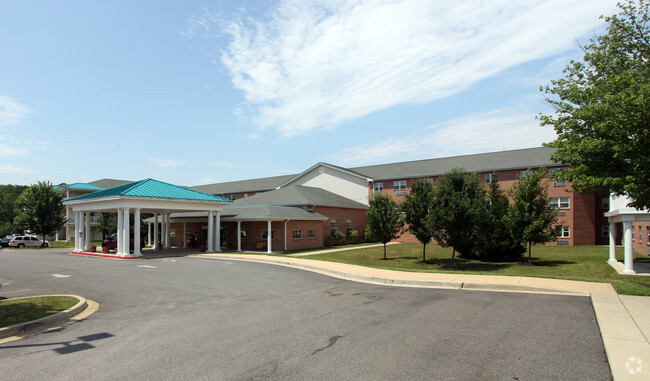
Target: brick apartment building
303	209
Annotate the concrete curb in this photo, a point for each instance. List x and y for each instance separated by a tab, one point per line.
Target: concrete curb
397	281
12	330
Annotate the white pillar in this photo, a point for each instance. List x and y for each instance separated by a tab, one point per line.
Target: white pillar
210	231
76	231
120	220
285	234
629	254
238	235
148	233
163	226
168	224
268	237
184	235
87	232
217	228
155	232
612	242
136	233
126	229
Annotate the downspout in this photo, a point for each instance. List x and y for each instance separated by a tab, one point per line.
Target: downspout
285	234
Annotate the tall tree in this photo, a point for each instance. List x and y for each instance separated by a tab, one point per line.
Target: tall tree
530	219
416	208
602	110
40	209
495	243
458	204
8	195
106	224
385	221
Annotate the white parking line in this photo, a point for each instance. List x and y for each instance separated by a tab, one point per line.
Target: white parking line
60	276
10	292
147	266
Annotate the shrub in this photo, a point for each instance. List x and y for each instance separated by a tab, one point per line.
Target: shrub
353	235
337	236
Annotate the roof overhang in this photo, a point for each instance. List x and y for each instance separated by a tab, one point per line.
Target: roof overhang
145	204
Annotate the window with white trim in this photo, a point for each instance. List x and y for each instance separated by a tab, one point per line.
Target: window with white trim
564	232
334	224
379	187
488	178
243	234
231	197
311	234
399	185
605	231
429	180
297	233
265	234
559	202
349	225
523	175
604	202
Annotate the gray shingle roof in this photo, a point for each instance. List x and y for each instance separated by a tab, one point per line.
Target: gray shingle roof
110	183
299	195
252	213
493	161
252	185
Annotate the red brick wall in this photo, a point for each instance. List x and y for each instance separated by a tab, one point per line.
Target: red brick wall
641	238
254	235
358	216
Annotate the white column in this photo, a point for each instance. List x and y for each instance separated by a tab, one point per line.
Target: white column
168	224
285	234
126	228
217	228
163	226
87	232
238	235
210	231
76	231
136	232
156	236
120	220
629	254
612	242
268	237
184	235
148	233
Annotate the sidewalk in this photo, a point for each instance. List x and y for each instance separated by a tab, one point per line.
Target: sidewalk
623	320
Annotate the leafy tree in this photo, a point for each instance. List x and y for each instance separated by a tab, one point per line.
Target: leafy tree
385	222
495	243
40	209
459	202
416	208
530	219
602	110
8	195
106	224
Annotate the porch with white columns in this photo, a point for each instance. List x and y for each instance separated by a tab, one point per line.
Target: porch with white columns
156	236
269	239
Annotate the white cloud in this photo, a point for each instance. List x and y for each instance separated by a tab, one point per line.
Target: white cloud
310	65
10	169
11	112
165	163
501	129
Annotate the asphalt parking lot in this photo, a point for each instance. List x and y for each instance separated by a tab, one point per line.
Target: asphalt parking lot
191	318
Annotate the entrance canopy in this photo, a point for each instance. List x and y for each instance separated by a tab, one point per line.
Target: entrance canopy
145	196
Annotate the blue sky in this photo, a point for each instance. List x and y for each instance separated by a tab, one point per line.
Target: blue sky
197	92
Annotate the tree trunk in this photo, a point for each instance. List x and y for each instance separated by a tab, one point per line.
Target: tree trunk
453	254
384	251
424	252
530	245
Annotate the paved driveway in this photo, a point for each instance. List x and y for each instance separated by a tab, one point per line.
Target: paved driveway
190	318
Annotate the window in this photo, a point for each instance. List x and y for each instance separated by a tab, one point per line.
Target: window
562	242
349	225
559	202
379	187
522	175
605	231
647	229
265	234
559	184
311	234
429	180
632	233
245	195
334	224
488	178
561	214
231	197
605	203
399	185
297	234
243	234
564	232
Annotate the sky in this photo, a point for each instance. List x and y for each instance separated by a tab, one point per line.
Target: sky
199	92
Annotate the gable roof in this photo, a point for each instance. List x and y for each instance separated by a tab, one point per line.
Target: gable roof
299	195
252	185
151	188
493	161
109	183
80	186
322	164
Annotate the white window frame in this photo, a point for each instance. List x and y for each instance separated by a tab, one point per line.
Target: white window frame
311	234
564	232
399	185
334	224
349	225
604	203
559	202
378	187
265	233
488	178
604	231
297	233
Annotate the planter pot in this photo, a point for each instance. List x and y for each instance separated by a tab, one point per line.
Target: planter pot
160	246
106	249
93	249
203	249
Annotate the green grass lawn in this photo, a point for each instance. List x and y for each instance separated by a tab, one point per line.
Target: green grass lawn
586	263
23	310
70	244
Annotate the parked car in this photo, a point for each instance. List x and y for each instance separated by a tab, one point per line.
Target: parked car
4	242
111	242
27	241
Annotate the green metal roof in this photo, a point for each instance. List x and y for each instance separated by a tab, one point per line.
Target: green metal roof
151	188
80	186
